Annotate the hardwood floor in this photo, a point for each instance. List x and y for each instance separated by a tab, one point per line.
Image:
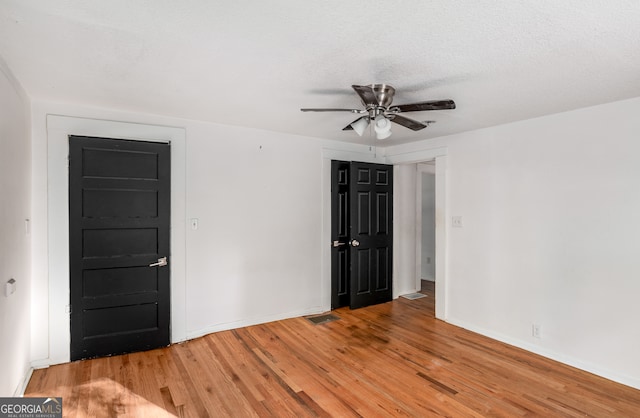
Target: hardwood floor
392	359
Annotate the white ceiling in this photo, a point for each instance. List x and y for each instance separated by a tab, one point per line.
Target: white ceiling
256	63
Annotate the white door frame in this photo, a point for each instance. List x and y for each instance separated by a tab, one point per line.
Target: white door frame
58	130
440	157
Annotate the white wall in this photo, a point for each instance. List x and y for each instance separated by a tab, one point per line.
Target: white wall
15	179
261	199
256	253
550	235
404	229
549	208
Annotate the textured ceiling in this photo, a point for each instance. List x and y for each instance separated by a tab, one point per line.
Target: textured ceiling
256	63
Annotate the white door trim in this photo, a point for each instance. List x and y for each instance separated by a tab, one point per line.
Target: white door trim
58	130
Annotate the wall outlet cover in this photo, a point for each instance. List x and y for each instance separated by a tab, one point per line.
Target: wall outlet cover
536	331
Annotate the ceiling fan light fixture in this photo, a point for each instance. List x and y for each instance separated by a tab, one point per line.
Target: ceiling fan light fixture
360	125
382	126
377	100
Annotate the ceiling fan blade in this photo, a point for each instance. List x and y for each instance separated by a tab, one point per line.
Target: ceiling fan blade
430	105
414	125
332	110
367	95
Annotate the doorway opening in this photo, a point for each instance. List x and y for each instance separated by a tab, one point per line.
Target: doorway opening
408	239
426	226
405	262
361	233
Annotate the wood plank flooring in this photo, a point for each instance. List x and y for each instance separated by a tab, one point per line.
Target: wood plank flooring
393	359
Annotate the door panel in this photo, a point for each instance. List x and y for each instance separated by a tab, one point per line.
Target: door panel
98	203
382	220
119	201
363	213
119	163
362	273
119	242
99	322
383	279
362	197
118	281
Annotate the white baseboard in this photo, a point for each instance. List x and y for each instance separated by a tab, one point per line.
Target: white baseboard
41	364
19	392
254	321
630	381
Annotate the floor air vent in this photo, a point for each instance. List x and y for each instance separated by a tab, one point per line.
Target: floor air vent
322	319
412	296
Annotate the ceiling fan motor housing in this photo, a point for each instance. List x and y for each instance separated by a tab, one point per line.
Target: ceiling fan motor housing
384	94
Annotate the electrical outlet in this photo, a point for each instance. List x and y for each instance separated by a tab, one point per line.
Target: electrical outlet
456	221
536	331
194	223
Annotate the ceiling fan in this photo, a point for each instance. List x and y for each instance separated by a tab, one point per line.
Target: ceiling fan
377	99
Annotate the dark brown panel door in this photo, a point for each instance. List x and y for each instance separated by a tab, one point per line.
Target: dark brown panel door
371	213
362	222
119	202
340	230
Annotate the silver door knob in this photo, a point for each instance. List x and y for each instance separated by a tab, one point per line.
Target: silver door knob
338	243
161	262
354	243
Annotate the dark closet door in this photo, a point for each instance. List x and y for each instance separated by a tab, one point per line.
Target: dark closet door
362	232
119	202
340	231
371	211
